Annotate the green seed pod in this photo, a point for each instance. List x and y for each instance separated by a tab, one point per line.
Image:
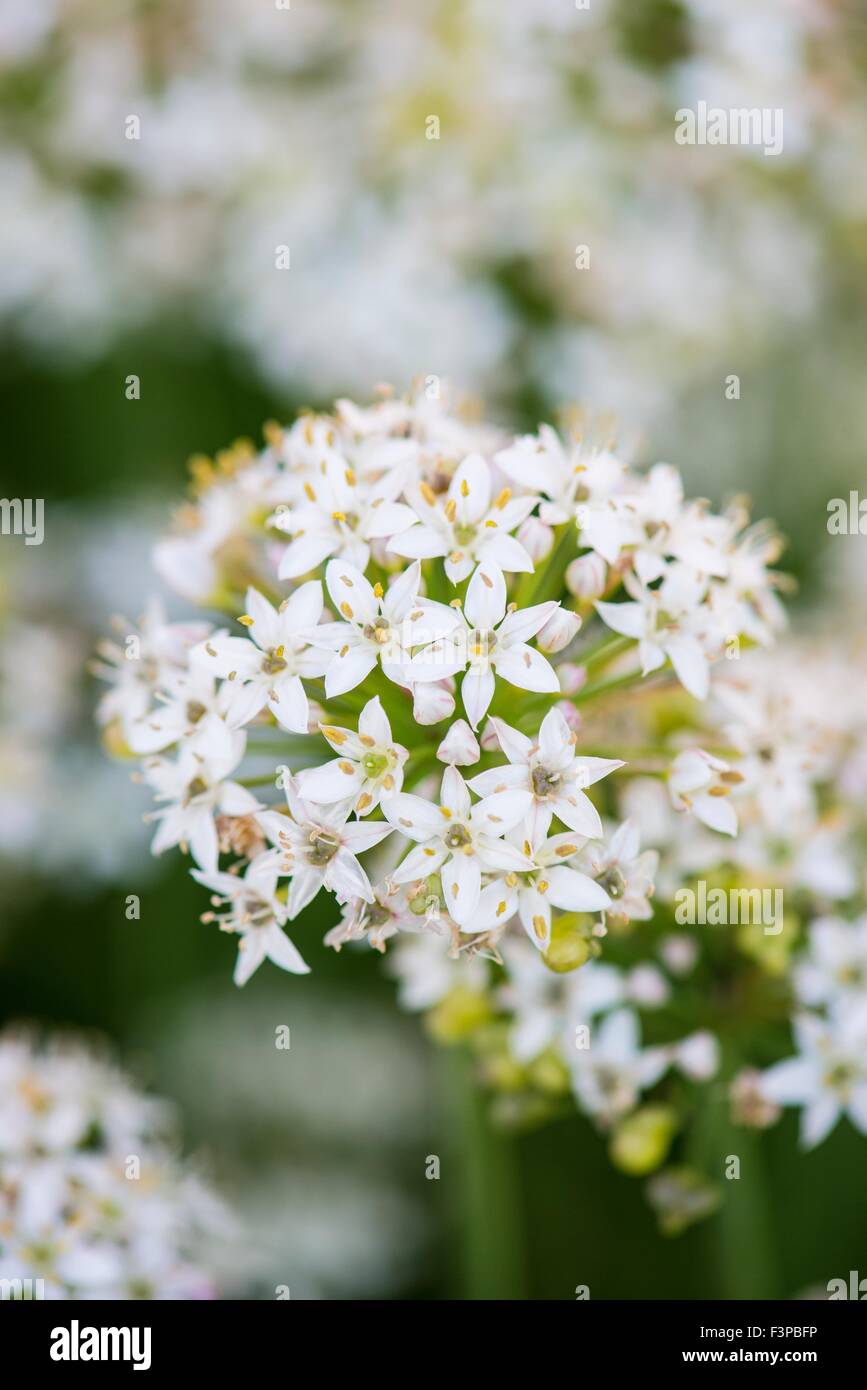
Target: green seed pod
641	1141
569	948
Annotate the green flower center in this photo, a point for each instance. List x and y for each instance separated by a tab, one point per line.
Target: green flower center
613	882
374	764
274	662
457	836
322	849
464	534
545	782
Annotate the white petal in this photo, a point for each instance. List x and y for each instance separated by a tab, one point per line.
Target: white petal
470	489
420	543
306	553
348	669
302	611
290	708
716	812
818	1120
499	779
629	619
422	860
202	837
462	882
524	623
516	746
528	669
414	817
535	913
507	552
283	952
690	664
497	905
388	519
454	795
373	723
303	887
485	602
575	892
556	745
244	701
501	812
361	835
792	1082
345	877
265	628
350	592
401	595
477	692
331	782
251	953
221	654
578	812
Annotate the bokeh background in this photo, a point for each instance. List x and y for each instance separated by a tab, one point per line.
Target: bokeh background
151	248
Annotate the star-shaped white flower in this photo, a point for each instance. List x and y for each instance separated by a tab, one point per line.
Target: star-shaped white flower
458	840
488	642
609	1075
549	769
465	525
669	623
368	770
835	969
196	789
553	882
257	914
379	626
320	849
190	705
625	873
266	668
340	515
827	1078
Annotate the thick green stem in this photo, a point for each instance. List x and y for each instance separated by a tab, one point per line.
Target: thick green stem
481	1182
546	582
603	651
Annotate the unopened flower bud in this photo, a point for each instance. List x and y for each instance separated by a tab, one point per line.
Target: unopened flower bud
536	538
460	747
648	987
572	677
432	702
698	1056
679	954
570	714
587	576
559	630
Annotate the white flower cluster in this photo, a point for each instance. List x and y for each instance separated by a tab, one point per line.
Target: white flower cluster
428	507
531	678
93	1201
